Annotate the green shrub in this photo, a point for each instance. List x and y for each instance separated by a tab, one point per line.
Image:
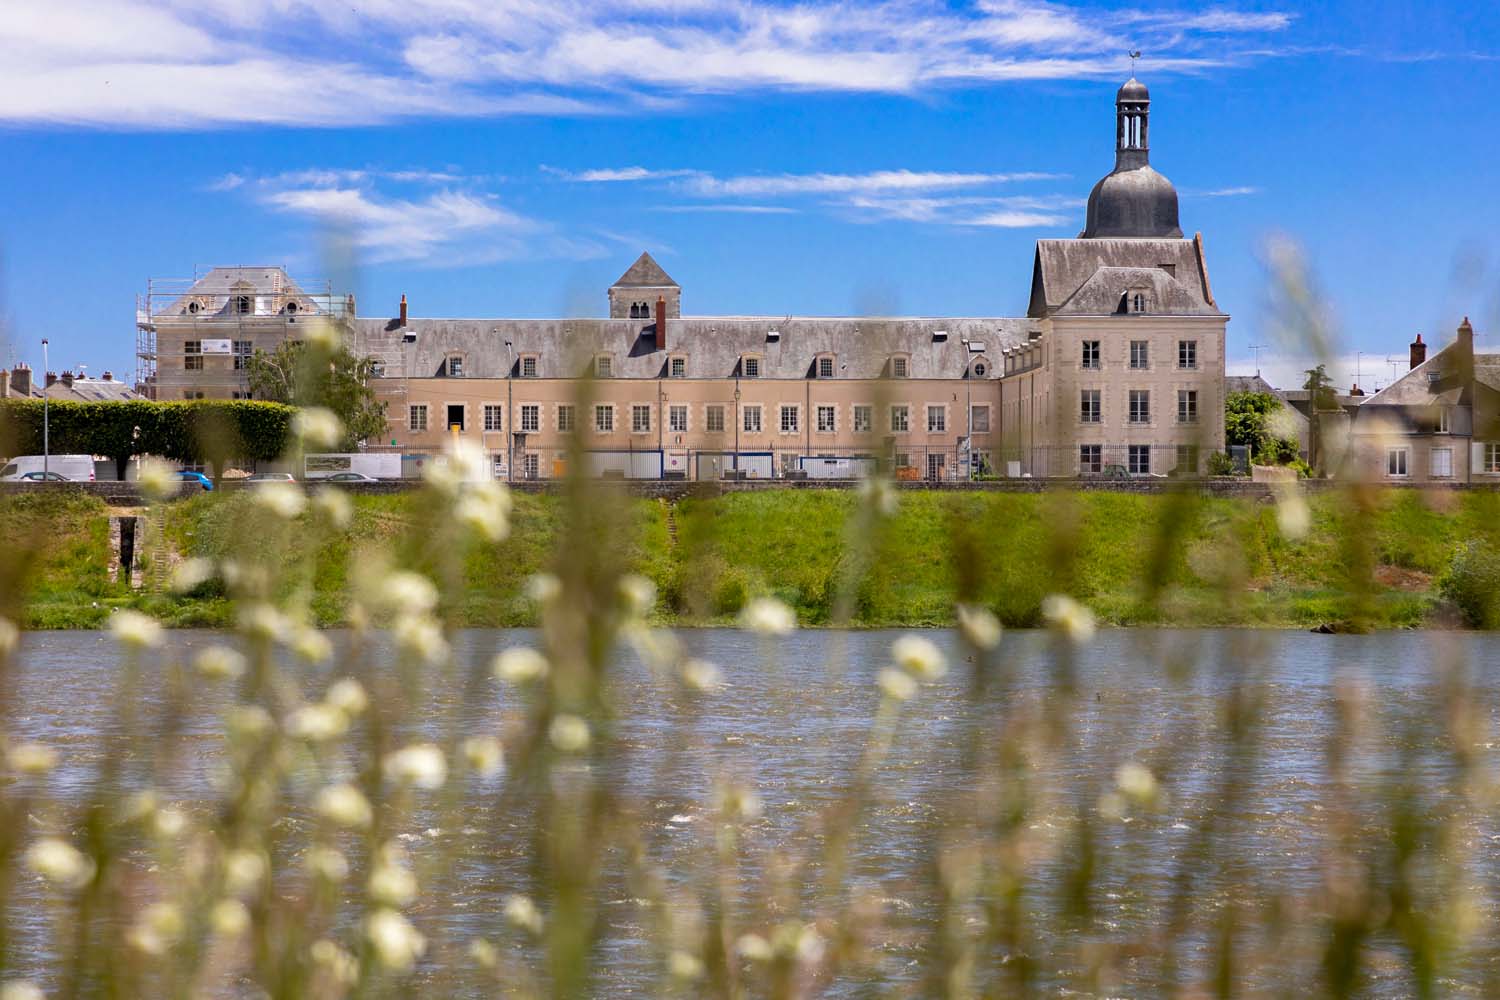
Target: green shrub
1220	464
1472	584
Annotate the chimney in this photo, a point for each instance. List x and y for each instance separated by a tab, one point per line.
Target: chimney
1356	390
4	383
67	380
1418	352
403	309
661	323
51	380
20	381
1466	335
109	376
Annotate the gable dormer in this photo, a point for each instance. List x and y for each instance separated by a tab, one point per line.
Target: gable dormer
634	294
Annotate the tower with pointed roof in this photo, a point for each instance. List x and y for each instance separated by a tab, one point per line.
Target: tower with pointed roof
634	294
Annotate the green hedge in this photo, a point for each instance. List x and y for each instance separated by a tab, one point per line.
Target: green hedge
212	431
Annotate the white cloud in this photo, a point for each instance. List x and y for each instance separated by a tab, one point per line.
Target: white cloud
1226	192
611	175
193	64
729	207
876	181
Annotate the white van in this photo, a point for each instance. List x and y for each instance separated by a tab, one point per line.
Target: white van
78	468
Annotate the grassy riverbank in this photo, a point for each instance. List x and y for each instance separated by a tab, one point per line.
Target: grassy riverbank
1135	559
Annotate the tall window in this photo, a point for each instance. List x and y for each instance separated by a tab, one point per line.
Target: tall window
1138	302
1442	463
242	305
1187	354
1090	459
1138	459
898	368
900	419
531	418
604	418
825	419
1187	406
979	419
713	419
788	420
640	419
825	368
937	419
751	368
864	419
677	416
1395	462
455	367
242	352
566	418
604	366
677	368
1187	458
751	419
1492	456
192	355
1140	406
1442	420
528	367
1090	411
1090	357
416	417
1140	354
494	419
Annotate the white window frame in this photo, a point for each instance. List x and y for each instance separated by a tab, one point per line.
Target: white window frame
1090	355
677	418
416	418
831	412
1140	356
902	425
527	365
604	418
864	418
750	366
1446	472
1187	406
746	412
1134	451
900	366
677	367
1138	410
531	418
1492	456
1187	355
1445	422
1398	463
785	426
711	411
1087	414
937	418
1090	459
494	417
455	366
604	366
567	417
640	418
824	361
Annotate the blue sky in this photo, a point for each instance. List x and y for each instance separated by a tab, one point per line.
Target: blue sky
512	157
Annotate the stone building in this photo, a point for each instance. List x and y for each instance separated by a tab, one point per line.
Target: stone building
1118	362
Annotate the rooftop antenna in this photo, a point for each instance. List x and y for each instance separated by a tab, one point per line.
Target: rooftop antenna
1257	348
1134	55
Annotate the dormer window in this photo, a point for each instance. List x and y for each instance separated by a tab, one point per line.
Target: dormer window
939	336
899	366
980	368
773	336
193	308
1137	301
455	366
604	366
677	368
242	305
528	366
825	366
750	367
291	308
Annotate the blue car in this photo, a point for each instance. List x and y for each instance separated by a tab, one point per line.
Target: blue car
195	477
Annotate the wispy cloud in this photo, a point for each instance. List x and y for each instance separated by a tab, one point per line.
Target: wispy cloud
729	207
194	64
1224	192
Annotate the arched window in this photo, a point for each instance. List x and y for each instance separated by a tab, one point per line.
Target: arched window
635	310
1137	302
291	307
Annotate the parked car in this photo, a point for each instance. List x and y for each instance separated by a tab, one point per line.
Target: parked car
188	476
43	477
76	468
350	477
270	477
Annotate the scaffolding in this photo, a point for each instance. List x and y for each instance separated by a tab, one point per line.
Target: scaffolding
218	296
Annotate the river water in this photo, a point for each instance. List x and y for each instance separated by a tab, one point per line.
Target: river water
793	720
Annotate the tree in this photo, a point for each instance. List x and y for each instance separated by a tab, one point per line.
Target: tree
302	374
1322	399
1247	421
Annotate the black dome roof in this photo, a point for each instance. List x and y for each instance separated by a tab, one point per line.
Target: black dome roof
1133	203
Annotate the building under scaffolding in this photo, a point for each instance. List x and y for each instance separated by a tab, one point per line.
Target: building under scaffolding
195	336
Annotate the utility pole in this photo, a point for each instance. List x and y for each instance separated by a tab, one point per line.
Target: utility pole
510	415
46	425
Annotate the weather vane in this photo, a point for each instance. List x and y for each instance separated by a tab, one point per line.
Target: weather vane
1134	55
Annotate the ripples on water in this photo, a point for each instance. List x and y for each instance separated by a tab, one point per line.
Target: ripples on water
793	719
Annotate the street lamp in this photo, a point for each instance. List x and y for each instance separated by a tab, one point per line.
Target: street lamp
46	428
510	415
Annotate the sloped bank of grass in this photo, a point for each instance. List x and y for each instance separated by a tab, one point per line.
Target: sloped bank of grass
1135	559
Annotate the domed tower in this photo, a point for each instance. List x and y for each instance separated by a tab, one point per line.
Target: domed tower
1133	201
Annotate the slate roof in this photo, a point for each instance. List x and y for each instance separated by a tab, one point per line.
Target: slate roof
1248	383
271	287
711	345
93	390
1090	277
1415	388
645	273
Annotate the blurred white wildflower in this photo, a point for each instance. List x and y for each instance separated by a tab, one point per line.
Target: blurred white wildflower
317	427
421	638
979	626
60	862
392	884
484	755
318	723
157	478
31	758
1112	805
544	588
285	500
246	721
328	863
1069	617
219	663
320	335
396	942
421	764
157	928
737	802
311	645
134	630
342	967
344	805
569	733
700	675
409	593
169	823
9	636
481	952
520	665
1293	516
638	595
484	508
754	948
879	494
192	573
521	913
230	918
244	871
1281	424
897	685
21	989
919	657
685	968
768	616
262	621
334	505
348	696
1136	781
794	939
